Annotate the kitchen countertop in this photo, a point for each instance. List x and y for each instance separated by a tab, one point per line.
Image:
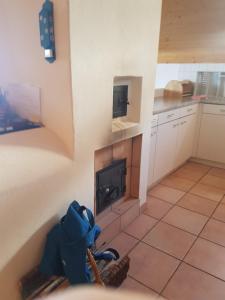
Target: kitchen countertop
162	104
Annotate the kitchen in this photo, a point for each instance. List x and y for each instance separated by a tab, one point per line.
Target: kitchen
191	47
186	182
186	127
187	177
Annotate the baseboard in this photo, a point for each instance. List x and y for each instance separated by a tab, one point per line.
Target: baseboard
208	162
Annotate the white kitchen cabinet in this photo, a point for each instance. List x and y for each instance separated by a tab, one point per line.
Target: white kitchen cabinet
172	141
165	149
168	116
152	156
211	144
185	139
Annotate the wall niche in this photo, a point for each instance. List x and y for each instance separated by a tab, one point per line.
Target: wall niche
126	108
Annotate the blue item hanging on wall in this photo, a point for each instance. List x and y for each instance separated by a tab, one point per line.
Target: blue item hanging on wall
46	23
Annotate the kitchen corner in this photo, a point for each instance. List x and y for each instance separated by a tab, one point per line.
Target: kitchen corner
187	127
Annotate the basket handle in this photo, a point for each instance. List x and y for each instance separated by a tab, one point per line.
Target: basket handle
94	268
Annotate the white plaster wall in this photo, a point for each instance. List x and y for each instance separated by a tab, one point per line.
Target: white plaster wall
22	61
167	72
189	71
108	38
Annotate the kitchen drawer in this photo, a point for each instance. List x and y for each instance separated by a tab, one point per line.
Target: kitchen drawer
154	120
188	110
214	109
168	116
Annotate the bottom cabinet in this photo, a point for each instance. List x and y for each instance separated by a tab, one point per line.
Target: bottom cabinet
165	149
152	156
212	138
185	139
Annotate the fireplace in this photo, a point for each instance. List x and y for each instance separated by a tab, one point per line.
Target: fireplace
117	174
110	184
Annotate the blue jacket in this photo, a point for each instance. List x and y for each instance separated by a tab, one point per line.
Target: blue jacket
67	243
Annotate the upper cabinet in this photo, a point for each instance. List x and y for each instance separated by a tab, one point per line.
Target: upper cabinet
192	31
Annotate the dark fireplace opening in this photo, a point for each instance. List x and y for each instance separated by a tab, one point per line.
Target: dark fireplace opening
110	184
120	100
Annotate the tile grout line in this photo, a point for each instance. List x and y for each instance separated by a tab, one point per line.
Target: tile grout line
198	236
194	211
161	220
196	268
151	289
121	230
182	261
195	181
172	206
176	204
187	192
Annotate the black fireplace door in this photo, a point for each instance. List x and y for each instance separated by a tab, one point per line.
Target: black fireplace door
110	184
120	100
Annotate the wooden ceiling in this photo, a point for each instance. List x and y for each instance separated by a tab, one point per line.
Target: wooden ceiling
192	31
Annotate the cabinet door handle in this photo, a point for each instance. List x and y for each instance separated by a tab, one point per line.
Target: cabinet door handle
170	116
184	122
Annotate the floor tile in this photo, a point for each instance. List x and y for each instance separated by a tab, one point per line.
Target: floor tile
130	284
109	233
185	219
129	216
198	204
208	257
179	183
166	193
107	220
140	226
170	239
192	171
219	214
211	180
215	232
208	192
157	208
123	243
121	208
217	172
189	283
151	267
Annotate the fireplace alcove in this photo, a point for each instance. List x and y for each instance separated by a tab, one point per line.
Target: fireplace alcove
127	94
117	174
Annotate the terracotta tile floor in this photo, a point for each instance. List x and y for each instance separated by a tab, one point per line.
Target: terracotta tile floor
177	246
